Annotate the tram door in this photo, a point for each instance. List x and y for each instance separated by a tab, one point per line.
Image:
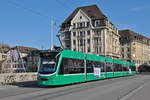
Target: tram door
109	70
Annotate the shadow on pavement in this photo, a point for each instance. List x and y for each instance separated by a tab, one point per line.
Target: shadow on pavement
32	84
28	84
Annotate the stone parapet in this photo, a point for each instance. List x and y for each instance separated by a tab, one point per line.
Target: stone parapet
7	78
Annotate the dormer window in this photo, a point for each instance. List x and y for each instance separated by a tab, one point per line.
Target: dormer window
74	25
80	17
97	23
92	17
82	24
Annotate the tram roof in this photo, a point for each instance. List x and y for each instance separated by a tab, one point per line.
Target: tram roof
91	57
80	55
72	54
95	58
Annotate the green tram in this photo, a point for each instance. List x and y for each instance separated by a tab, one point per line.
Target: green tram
68	67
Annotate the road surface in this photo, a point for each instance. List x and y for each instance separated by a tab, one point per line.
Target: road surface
124	88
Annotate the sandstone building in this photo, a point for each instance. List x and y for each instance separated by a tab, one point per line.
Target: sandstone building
134	47
149	51
88	30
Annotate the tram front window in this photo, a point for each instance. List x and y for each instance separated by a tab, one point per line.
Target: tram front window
48	66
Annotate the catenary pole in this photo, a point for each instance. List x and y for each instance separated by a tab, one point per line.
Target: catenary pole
52	33
85	70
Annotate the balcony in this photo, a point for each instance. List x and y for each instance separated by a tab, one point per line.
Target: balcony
81	37
97	36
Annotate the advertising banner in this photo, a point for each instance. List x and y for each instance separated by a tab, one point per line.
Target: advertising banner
97	72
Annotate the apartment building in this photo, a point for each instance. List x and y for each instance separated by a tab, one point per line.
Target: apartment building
149	52
4	48
88	30
134	47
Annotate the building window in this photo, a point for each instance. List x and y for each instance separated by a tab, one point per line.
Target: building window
80	24
74	25
97	23
88	32
89	41
120	39
122	55
88	24
80	17
100	49
83	24
98	32
81	42
74	33
122	49
89	49
128	55
128	49
81	34
74	42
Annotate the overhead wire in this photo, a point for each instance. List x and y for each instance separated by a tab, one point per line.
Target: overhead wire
64	5
31	10
27	9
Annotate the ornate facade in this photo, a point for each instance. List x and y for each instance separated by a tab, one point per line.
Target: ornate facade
88	30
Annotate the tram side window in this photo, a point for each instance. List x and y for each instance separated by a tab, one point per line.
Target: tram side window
102	67
114	66
125	68
133	68
99	65
109	67
71	66
92	64
117	67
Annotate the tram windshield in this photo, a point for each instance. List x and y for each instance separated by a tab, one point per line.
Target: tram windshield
48	63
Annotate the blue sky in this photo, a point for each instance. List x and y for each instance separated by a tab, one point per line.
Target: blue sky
27	22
